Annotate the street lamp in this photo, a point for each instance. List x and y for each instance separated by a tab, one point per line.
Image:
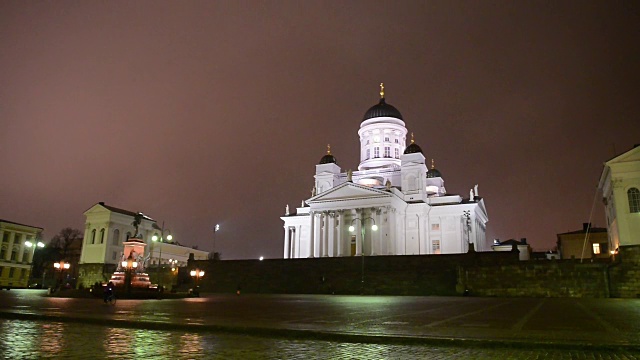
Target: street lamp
161	239
36	245
215	230
174	264
352	228
129	265
196	274
61	266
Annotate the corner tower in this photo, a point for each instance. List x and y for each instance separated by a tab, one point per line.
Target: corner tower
382	136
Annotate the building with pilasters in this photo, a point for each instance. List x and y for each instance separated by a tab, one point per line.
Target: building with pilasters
393	205
620	186
16	253
108	227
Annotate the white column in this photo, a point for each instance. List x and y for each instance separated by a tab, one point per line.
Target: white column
359	239
332	234
373	237
380	230
312	233
391	249
287	243
340	229
325	233
294	242
318	244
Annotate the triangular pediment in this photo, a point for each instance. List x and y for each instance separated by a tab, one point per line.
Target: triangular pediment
631	155
348	191
97	208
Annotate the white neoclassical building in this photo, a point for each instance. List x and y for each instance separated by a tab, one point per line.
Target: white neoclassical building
620	186
107	227
394	190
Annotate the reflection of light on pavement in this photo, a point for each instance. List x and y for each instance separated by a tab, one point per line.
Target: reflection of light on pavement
52	339
18	338
146	342
190	344
117	341
196	299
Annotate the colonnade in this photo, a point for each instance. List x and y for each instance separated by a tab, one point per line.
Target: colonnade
329	235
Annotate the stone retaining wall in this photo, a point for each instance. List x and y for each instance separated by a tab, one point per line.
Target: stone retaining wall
624	273
476	274
383	275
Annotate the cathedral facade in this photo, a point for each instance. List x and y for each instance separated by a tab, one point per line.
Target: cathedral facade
393	205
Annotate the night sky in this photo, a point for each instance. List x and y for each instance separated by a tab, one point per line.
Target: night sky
205	112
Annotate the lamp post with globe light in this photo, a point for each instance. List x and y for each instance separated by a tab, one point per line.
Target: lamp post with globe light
161	240
215	230
129	265
196	274
352	228
35	246
61	266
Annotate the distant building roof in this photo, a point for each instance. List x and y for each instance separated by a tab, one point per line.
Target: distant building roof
122	211
15	223
512	242
591	230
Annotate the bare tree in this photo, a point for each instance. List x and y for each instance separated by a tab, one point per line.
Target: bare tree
64	239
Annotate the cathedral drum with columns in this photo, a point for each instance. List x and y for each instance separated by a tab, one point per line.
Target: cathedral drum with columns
393	204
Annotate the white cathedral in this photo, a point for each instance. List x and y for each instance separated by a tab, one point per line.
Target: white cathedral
393	204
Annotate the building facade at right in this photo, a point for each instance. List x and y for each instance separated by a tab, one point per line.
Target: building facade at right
620	186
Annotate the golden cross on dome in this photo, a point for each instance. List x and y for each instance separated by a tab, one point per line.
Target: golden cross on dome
381	90
328	149
433	163
412	138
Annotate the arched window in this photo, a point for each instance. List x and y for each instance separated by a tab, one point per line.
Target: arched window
93	236
116	237
101	235
634	200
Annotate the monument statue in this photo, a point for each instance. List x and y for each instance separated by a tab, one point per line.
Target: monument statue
349	175
137	220
286	210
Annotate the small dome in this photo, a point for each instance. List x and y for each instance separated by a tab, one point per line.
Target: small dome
382	109
413	147
328	159
433	172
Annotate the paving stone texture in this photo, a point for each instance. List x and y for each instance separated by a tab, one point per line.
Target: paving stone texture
318	327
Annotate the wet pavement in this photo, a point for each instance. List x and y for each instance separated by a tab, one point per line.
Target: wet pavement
316	326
